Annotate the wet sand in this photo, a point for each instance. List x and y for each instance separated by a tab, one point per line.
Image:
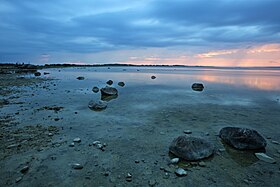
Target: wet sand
43	116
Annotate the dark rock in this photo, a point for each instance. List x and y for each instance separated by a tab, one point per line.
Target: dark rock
109	91
97	105
121	84
153	77
198	87
95	89
108	97
191	148
46	73
24	169
109	82
242	138
37	74
81	78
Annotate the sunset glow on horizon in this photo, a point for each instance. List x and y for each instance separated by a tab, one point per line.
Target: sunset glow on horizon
149	32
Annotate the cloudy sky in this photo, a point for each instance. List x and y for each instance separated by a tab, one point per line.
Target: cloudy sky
187	32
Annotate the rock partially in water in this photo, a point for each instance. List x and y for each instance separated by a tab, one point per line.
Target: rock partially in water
153	77
191	148
198	87
109	82
242	138
37	74
97	105
108	97
265	158
109	91
81	78
121	84
95	89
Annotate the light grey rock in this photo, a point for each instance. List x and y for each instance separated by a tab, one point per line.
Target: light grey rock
174	160
77	140
72	144
97	105
275	142
18	179
96	142
242	138
180	172
191	148
202	164
265	158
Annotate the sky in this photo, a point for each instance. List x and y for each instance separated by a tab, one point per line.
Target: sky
183	32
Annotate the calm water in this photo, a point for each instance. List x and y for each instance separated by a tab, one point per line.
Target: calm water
147	115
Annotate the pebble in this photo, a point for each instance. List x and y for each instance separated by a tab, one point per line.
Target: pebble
202	164
174	160
166	175
275	142
187	131
77	166
12	146
96	142
18	179
72	144
128	177
264	157
78	140
50	134
180	172
137	161
24	169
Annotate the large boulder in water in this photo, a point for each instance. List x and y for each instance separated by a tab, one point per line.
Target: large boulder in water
191	148
97	105
109	91
242	138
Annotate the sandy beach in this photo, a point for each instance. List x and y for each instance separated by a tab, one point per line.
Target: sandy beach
48	134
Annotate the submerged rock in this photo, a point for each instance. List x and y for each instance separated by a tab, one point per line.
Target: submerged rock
109	91
198	87
191	148
121	84
95	89
109	82
81	78
97	105
242	138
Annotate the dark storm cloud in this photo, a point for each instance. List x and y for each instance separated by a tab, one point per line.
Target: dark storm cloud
92	26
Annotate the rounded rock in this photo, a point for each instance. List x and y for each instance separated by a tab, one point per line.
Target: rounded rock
121	84
198	87
109	91
95	89
97	105
242	138
191	148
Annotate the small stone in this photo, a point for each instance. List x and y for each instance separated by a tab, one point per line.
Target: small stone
72	144
275	142
77	166
246	181
12	146
180	172
137	161
95	89
77	140
81	78
166	175
109	82
24	169
96	142
187	131
50	134
18	179
265	158
37	74
202	164
174	160
153	77
128	177
121	84
99	146
106	173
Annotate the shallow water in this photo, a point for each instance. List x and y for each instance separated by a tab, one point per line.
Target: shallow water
146	116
